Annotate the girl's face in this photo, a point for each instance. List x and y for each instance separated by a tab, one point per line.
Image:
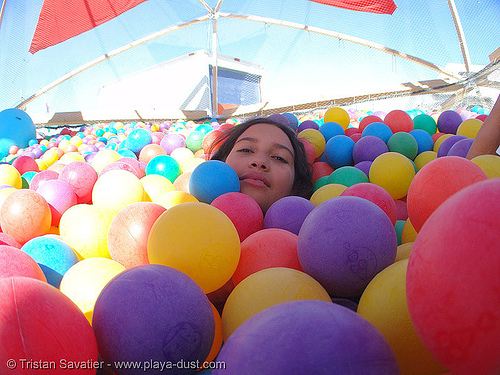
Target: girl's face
263	159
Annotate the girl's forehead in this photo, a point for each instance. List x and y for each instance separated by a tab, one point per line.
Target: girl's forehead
266	132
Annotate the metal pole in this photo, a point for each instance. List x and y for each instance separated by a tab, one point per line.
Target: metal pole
1	12
461	36
214	67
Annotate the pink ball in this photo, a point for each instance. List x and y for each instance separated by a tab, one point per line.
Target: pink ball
6	239
453	281
401	210
267	248
25	164
81	176
41	177
244	212
374	194
60	196
40	323
15	262
135	164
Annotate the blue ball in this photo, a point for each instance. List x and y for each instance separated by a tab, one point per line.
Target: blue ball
212	179
137	139
378	129
330	130
424	140
52	255
125	152
292	119
16	128
338	151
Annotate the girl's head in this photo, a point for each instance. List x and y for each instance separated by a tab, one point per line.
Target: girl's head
268	158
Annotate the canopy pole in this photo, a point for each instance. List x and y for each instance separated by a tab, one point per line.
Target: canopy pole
1	12
461	36
214	67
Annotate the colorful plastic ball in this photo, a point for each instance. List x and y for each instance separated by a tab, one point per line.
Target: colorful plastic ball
265	288
367	120
182	155
469	128
149	151
70	157
447	144
197	239
424	141
368	148
448	122
307	124
292	120
461	148
16	128
136	167
321	169
194	141
138	139
404	251
309	148
316	138
347	176
24	215
9	175
6	239
60	196
209	140
171	141
364	166
404	143
115	190
243	211
338	115
155	185
324	336
173	198
326	192
165	166
82	178
456	257
384	305
394	172
438	139
15	262
24	164
129	231
83	282
338	151
267	248
374	194
426	123
104	157
399	121
52	255
288	213
437	181
28	324
331	129
179	326
345	242
378	129
85	229
212	179
490	164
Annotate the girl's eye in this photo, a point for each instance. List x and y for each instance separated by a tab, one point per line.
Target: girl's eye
244	150
279	158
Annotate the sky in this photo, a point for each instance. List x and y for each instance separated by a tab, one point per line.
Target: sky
299	66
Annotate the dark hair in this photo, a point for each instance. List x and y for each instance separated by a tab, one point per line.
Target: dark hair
302	184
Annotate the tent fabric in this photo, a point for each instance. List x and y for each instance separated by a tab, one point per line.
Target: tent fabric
372	6
62	20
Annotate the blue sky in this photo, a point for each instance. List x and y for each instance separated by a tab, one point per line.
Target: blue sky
298	64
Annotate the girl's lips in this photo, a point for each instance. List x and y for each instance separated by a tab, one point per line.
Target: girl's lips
256	179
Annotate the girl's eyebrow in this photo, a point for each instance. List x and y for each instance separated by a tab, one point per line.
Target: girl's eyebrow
275	144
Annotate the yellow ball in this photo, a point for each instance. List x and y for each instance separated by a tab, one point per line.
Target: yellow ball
394	172
469	128
83	282
490	164
44	142
326	192
191	164
9	175
103	158
316	138
439	141
404	251
338	115
182	154
85	229
41	164
71	157
115	190
76	140
63	144
50	157
409	233
155	127
197	239
383	304
267	288
5	192
423	158
155	185
173	198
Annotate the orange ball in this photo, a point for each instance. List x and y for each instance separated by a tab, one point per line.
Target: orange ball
148	152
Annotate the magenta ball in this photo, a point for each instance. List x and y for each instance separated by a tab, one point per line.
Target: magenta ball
82	177
171	141
15	262
306	337
41	177
60	196
288	213
25	164
344	243
368	148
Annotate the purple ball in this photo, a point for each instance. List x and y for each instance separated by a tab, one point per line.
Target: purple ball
460	148
30	154
448	143
88	158
448	122
153	313
171	141
344	243
37	152
306	337
364	166
308	124
368	148
288	213
279	118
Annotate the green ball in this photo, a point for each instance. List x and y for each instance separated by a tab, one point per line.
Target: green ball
425	122
347	176
322	181
165	166
28	176
194	141
399	229
404	143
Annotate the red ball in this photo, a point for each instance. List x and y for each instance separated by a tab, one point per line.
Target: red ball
8	240
310	152
267	248
437	181
399	121
244	212
401	209
374	194
209	139
321	169
24	215
15	262
365	121
453	281
351	131
25	164
436	136
82	177
129	231
40	324
41	177
355	137
60	196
